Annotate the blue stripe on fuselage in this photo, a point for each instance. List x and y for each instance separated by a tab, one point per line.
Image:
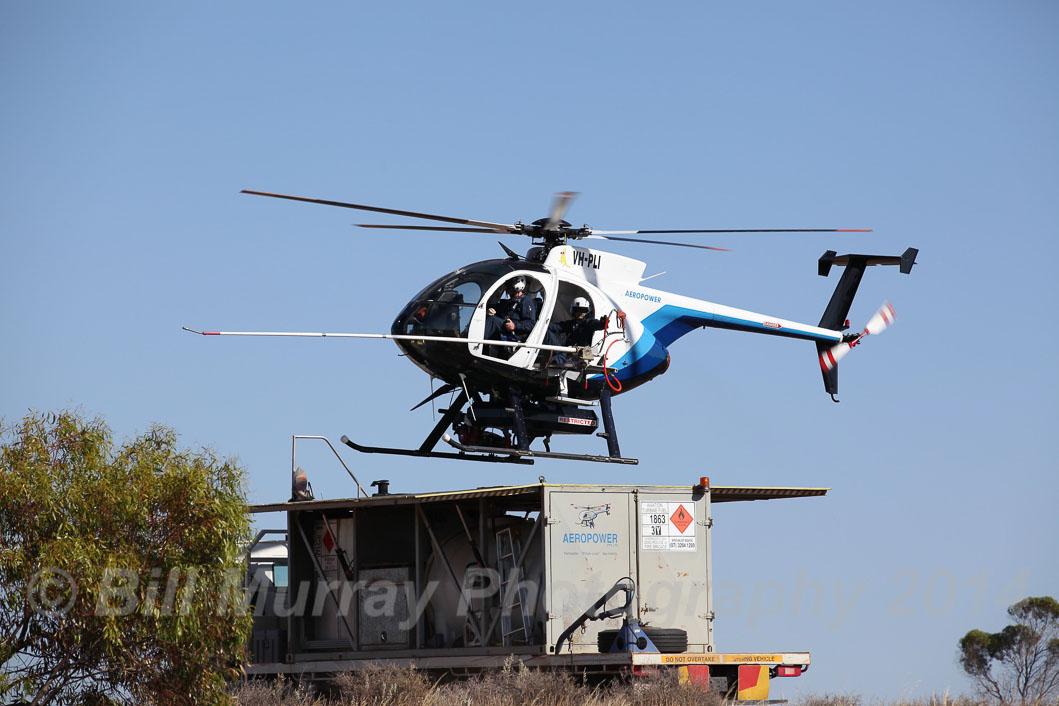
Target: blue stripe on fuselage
661	328
645	355
668	323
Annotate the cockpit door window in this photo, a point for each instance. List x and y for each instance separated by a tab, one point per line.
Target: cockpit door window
528	311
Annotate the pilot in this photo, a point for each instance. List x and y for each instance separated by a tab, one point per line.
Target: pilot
514	317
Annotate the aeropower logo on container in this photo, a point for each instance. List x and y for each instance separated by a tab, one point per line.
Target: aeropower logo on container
587	517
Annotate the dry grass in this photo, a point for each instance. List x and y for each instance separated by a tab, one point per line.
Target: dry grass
383	686
514	684
517	685
857	700
662	689
275	693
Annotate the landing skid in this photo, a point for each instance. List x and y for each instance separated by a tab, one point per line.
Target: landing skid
488	454
492	458
519	453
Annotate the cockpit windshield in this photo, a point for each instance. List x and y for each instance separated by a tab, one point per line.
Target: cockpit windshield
445	307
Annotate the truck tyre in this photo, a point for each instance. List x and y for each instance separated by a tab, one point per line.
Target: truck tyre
667	640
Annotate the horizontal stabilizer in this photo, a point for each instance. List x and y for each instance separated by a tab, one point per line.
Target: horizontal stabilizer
830	258
838	308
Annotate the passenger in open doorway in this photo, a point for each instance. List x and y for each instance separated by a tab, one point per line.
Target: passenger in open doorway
576	331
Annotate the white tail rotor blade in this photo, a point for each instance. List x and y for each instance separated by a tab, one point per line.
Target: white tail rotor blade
877	324
882	319
829	358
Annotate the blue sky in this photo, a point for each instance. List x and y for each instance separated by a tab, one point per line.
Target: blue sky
128	130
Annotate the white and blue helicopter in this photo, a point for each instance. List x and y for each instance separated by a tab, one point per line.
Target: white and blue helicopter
531	345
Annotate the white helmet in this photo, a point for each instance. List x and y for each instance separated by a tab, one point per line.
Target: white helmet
517	285
578	305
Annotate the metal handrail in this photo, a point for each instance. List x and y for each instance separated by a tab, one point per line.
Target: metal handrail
294	464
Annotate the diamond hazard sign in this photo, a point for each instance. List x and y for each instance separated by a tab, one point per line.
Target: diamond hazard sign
664	526
329	542
681	518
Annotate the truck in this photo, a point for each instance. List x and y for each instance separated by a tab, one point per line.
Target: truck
599	580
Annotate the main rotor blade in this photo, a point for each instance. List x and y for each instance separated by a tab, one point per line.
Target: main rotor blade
740	230
494	227
451	229
559	205
653	242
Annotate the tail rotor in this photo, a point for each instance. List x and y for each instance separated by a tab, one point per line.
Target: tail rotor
878	323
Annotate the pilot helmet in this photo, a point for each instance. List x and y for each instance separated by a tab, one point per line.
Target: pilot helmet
516	285
579	306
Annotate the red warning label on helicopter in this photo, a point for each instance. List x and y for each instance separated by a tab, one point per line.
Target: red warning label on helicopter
579	421
770	324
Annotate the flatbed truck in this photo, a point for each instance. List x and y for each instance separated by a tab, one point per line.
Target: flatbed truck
594	579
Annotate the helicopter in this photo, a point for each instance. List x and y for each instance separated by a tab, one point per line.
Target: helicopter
529	346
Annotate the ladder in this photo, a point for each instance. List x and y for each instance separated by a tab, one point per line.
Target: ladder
513	618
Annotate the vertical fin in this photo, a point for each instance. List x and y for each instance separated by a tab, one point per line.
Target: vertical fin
830	374
837	310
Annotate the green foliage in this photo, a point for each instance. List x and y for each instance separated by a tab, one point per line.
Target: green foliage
120	566
1019	664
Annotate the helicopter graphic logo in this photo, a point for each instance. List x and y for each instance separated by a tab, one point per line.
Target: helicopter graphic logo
588	514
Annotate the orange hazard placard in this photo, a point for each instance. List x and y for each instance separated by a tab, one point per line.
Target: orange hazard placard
681	518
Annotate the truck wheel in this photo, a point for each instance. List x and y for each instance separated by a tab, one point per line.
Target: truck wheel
667	640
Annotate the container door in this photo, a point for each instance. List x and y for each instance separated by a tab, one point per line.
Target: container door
674	586
591	545
328	627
